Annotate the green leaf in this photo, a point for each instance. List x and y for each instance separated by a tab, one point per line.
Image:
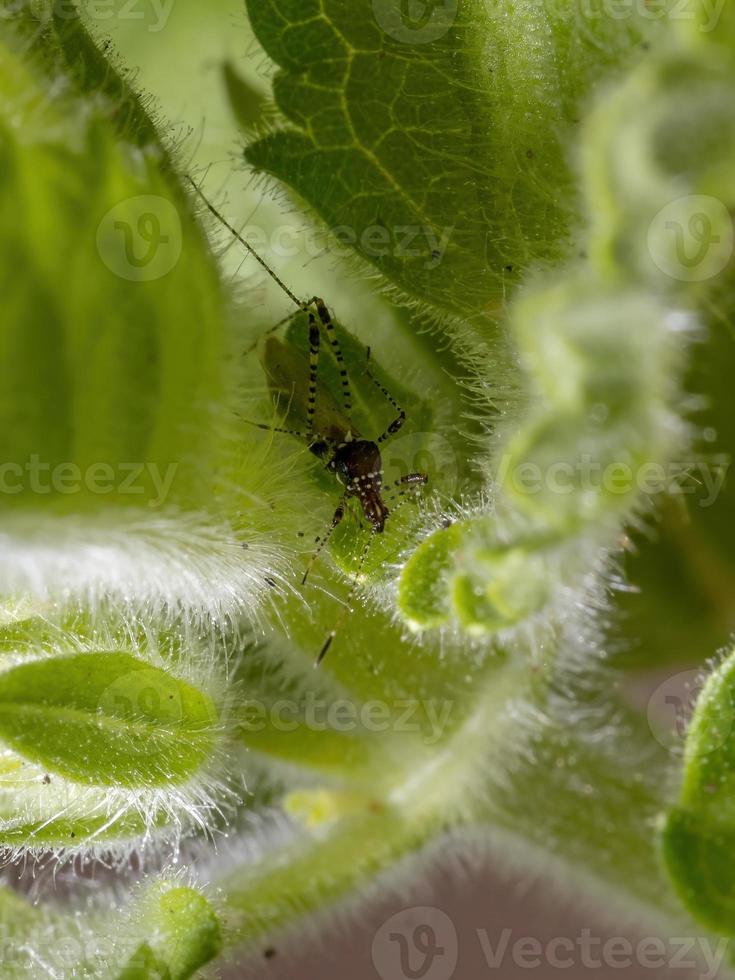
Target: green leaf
110	342
423	592
108	719
55	832
699	833
439	153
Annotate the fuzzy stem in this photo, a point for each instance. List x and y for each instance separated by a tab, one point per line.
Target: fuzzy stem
562	792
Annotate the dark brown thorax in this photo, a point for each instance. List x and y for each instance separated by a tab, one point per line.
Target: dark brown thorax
359	468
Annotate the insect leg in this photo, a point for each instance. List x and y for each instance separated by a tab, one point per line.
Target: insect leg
411	478
409	484
274	428
347	609
328	324
321	542
400	418
313	369
409	492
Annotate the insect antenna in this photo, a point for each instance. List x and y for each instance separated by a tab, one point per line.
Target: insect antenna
276	278
347	608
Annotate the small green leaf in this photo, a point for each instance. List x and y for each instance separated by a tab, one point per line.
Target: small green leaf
184	934
106	719
424	594
699	834
504	586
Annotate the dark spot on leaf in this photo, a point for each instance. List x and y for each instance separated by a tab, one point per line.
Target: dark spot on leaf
270	582
269	953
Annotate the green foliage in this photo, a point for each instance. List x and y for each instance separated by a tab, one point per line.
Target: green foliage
106	719
699	831
111	357
456	137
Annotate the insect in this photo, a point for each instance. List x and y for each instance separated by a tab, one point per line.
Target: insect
354	460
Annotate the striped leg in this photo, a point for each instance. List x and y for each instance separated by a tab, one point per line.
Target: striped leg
313	370
400	418
321	542
410	479
327	323
405	489
274	428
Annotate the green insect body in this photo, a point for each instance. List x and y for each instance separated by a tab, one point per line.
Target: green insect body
286	365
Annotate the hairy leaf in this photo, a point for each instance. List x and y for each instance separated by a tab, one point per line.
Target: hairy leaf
699	833
437	148
106	719
110	344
